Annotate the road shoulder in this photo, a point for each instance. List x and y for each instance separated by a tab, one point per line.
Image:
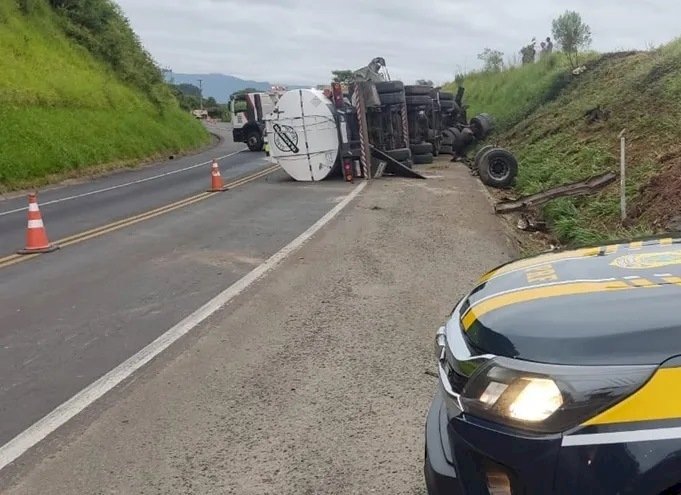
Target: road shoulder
313	380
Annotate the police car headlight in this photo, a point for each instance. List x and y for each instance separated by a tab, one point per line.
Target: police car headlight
547	398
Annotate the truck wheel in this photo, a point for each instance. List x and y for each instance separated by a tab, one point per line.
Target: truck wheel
423	159
418	90
481	152
389	87
497	168
400	154
419	100
447	137
446	96
254	141
391	98
421	148
467	136
481	126
457	139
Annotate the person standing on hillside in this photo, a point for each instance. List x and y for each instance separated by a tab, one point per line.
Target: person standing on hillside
549	45
529	52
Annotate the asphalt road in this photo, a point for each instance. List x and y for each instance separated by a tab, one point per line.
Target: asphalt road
75	208
71	316
315	380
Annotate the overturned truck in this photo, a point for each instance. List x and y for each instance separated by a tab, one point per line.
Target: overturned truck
369	127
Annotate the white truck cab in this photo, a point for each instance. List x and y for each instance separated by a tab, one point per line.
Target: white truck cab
248	117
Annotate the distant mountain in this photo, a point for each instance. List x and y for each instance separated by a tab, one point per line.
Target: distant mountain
219	86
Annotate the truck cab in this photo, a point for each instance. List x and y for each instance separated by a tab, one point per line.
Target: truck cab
248	117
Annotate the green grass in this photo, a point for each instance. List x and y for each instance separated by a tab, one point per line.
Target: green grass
515	93
540	111
62	111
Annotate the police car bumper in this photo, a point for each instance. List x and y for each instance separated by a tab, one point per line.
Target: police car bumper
464	457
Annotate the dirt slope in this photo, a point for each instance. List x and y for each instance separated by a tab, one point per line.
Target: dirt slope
565	127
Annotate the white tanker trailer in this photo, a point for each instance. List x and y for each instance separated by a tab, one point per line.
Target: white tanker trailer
306	134
314	134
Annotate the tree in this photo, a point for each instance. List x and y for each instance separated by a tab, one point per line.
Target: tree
573	35
493	60
342	76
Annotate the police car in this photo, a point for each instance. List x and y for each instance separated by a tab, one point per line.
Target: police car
561	374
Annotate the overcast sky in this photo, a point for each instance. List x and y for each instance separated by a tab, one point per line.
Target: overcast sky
301	41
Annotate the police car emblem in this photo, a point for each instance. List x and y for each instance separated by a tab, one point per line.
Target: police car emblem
648	260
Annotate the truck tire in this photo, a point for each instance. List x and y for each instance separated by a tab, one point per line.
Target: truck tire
446	96
481	152
498	168
400	154
423	159
467	136
392	98
453	137
421	148
419	100
254	141
447	137
481	126
418	90
389	87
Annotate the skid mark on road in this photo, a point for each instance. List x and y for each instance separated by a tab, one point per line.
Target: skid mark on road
126	222
69	409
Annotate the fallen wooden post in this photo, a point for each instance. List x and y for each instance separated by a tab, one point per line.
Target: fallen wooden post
580	188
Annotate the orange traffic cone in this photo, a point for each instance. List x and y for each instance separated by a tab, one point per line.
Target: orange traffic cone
215	178
36	236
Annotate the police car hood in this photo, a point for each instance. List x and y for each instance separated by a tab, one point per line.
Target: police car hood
616	304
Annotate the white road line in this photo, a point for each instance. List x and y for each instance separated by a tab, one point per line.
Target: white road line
63	413
622	437
119	186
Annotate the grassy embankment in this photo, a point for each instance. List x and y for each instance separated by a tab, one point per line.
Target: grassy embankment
540	111
62	110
